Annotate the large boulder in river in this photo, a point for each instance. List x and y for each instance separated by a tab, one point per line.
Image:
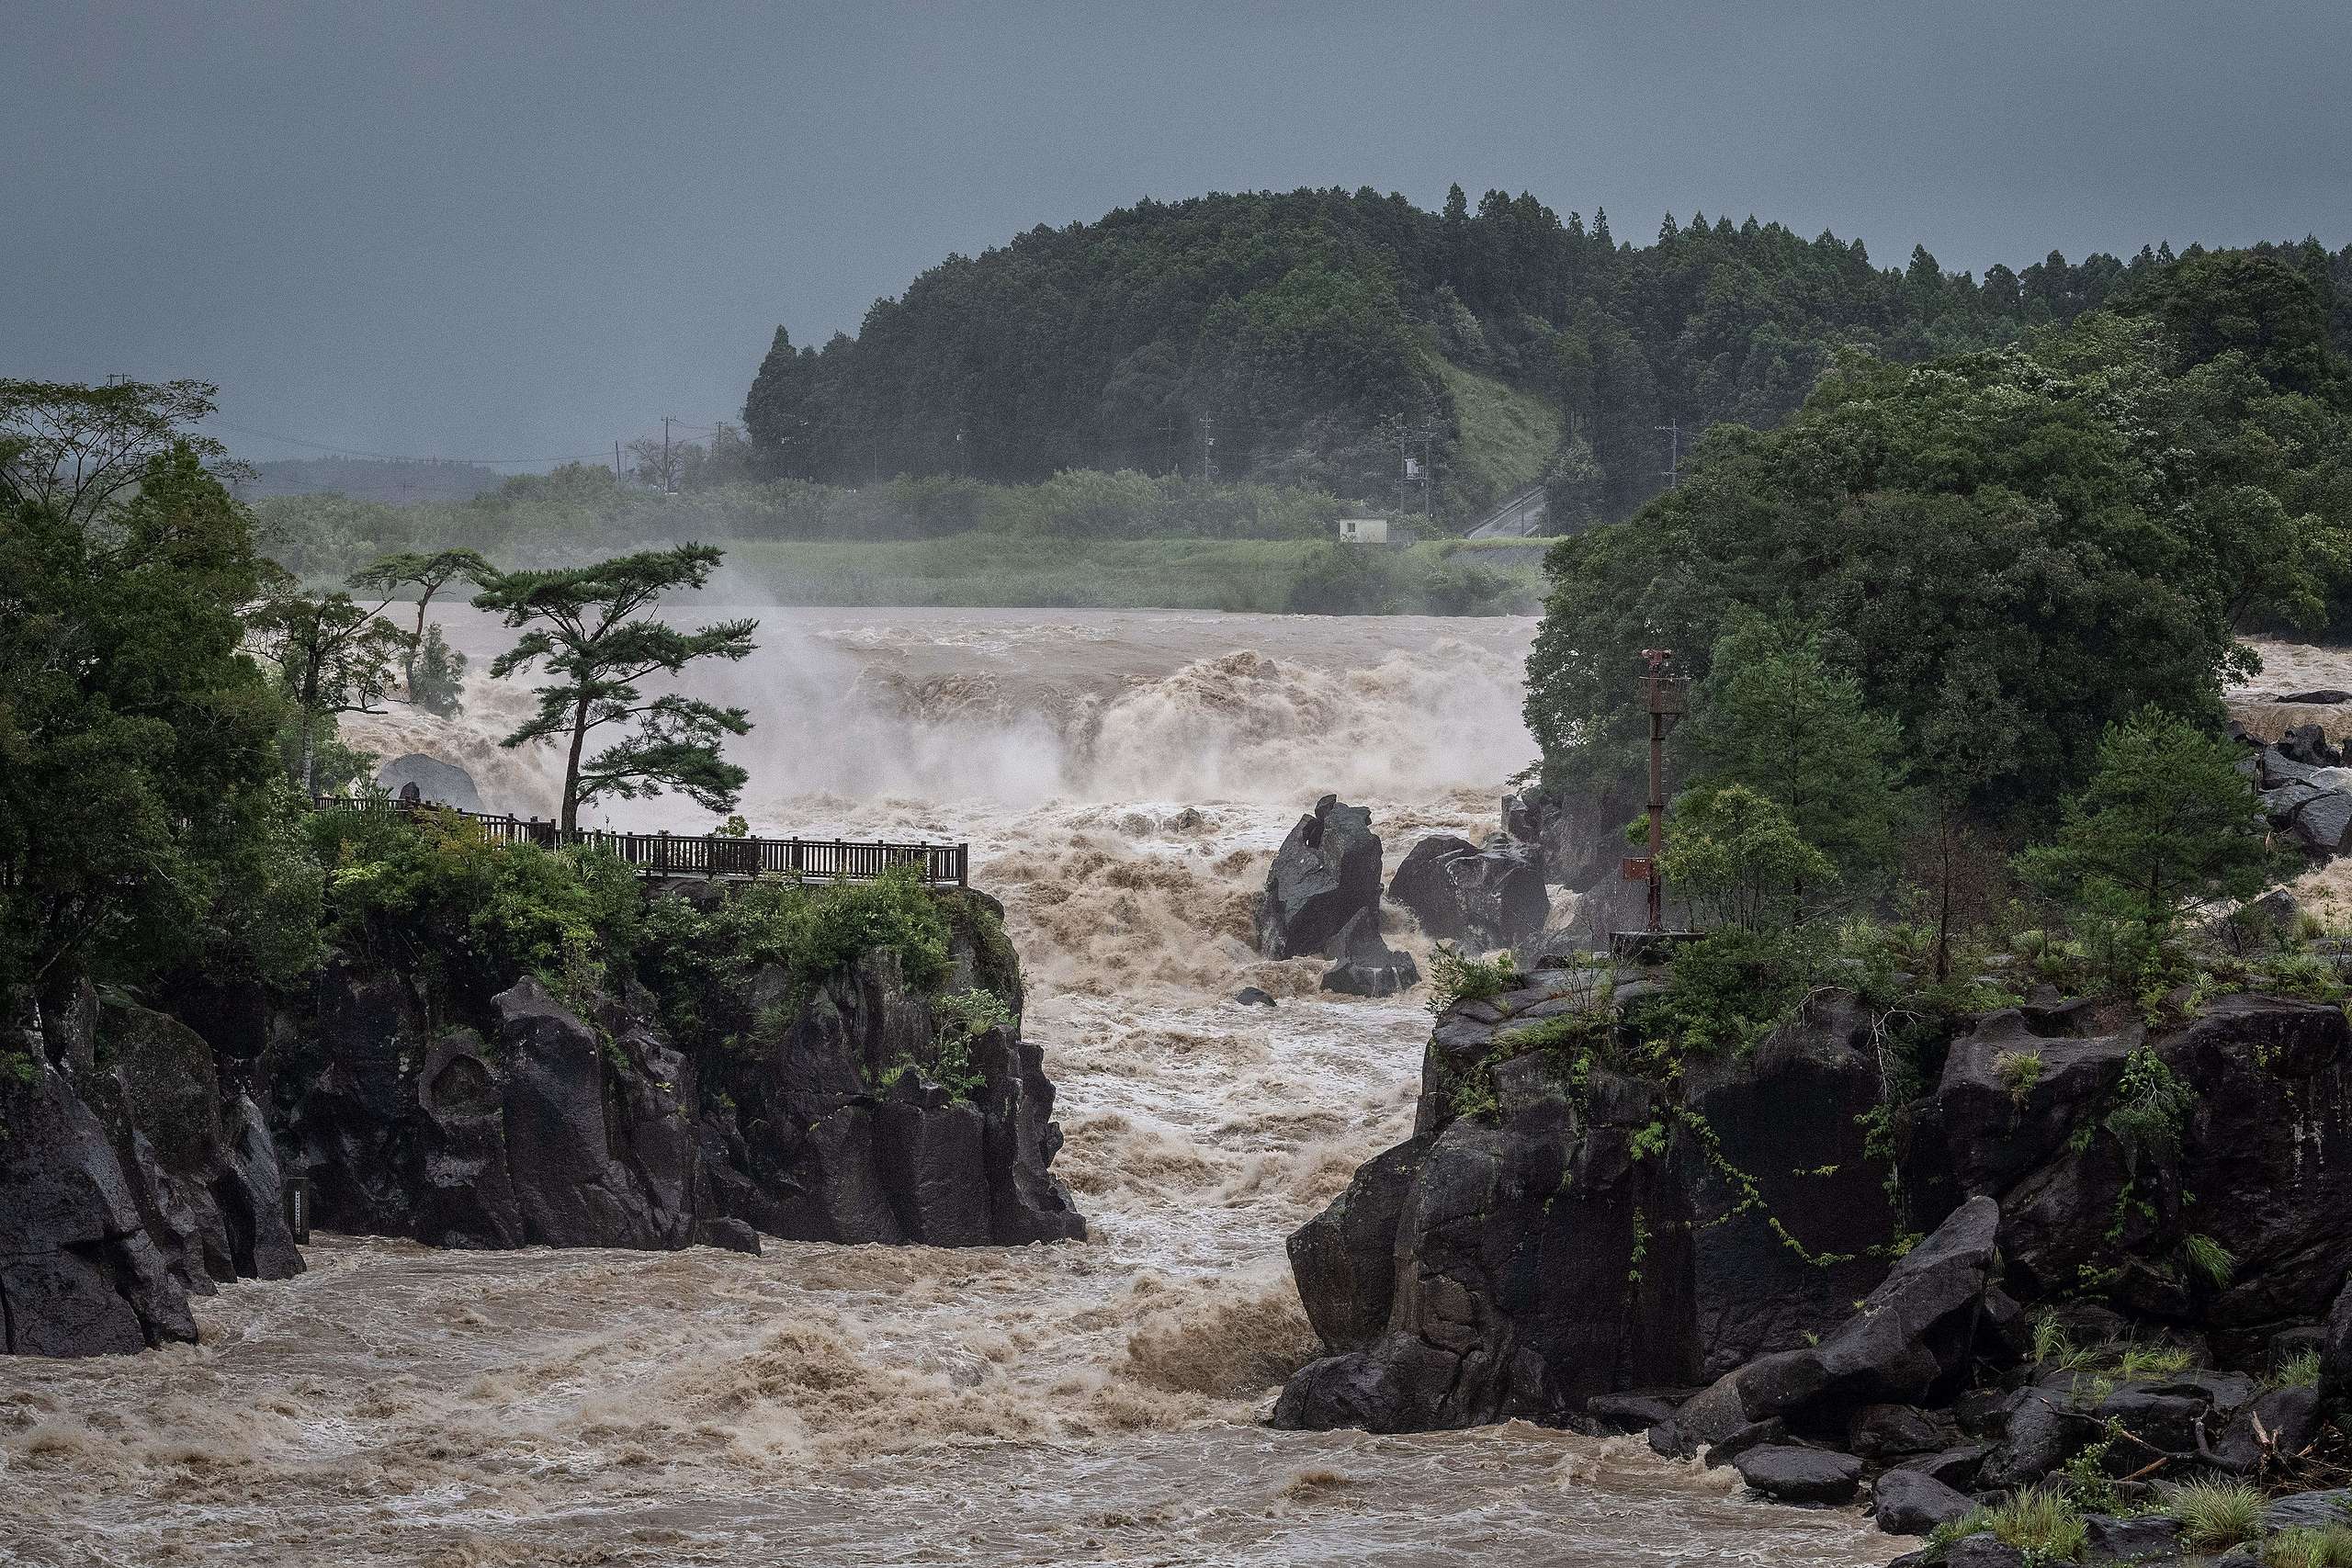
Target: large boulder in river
1367	966
437	782
1327	873
1485	897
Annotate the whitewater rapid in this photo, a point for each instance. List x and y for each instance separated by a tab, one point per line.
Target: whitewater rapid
1122	778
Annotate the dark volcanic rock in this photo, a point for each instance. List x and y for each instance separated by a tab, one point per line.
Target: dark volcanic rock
1894	1431
2272	1428
437	782
1485	897
79	1275
581	1179
2335	1351
1800	1475
2140	1538
1251	997
1369	966
128	1181
1584	838
1327	872
1910	1502
1345	1257
2322	696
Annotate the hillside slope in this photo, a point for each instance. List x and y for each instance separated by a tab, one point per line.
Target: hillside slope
1288	337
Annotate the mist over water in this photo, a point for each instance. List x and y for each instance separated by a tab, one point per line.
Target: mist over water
1122	778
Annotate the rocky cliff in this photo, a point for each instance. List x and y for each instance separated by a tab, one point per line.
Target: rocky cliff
131	1176
1576	1235
140	1156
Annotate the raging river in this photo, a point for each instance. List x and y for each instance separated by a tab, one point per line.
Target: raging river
1122	778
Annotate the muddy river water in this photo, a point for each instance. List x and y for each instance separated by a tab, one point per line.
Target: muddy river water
1123	777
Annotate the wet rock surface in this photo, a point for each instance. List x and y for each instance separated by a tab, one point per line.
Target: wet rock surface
136	1168
1563	1236
1484	897
129	1180
1326	874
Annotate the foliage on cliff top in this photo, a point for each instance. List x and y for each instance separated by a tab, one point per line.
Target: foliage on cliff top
699	961
427	895
139	785
2088	519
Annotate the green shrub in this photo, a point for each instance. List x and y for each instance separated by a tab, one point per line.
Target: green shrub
1733	985
2298	1370
2215	1515
2326	1546
1457	977
2151	1108
427	894
959	1018
698	961
2019	1072
2209	1258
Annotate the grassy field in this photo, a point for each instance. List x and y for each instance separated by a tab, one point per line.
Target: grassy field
1506	435
991	569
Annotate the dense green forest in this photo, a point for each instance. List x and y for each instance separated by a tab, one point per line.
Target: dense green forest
1315	337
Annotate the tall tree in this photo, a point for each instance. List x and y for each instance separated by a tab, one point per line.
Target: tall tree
2167	819
427	573
78	449
593	630
138	774
1774	714
333	654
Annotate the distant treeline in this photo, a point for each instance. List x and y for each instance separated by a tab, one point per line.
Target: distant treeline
397	481
1305	339
579	510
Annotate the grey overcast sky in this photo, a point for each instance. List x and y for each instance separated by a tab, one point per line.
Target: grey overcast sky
521	230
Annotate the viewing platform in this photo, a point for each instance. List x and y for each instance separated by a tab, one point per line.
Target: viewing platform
706	855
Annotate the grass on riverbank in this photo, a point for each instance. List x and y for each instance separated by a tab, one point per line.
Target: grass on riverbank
998	571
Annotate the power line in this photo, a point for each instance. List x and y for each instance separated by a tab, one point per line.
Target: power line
343	451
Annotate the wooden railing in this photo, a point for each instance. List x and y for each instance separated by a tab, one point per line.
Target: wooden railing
687	854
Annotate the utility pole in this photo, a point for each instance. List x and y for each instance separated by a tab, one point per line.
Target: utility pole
1672	431
667	487
1662	695
617	461
1425	478
1208	448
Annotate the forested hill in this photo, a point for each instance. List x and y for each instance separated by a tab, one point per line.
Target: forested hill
1313	336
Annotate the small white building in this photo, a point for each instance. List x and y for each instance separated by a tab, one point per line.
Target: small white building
1364	531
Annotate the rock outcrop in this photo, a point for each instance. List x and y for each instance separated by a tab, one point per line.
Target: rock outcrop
2305	790
437	782
1367	966
587	1127
1566	1240
129	1180
1326	874
1485	898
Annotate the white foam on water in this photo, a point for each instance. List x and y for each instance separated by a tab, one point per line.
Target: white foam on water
1124	778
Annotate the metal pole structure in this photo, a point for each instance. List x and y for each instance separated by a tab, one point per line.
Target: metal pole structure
1662	695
